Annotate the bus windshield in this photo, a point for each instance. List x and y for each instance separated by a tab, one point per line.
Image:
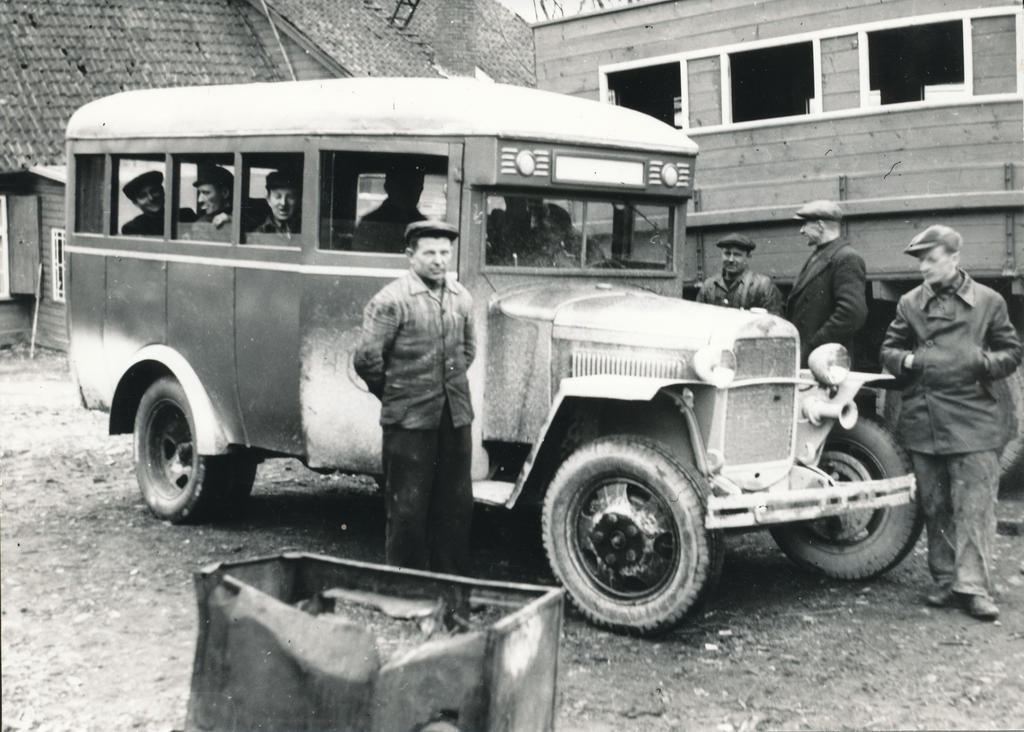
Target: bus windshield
580	233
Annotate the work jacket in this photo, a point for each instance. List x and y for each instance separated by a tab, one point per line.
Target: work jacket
415	350
749	290
961	342
828	302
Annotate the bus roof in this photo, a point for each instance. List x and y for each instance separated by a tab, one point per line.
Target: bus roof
372	106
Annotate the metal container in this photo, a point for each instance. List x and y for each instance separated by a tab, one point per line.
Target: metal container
263	663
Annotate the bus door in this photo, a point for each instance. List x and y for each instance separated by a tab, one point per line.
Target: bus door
366	201
268	296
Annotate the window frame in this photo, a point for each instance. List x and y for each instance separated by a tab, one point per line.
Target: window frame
5	251
861	30
58	252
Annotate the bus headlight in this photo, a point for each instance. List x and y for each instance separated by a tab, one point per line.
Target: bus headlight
669	175
526	163
715	365
830	364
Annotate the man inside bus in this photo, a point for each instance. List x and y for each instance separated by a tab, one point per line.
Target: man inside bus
417	344
213	187
284	193
382	229
147	192
738	286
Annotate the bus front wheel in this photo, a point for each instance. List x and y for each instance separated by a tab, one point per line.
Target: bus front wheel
623	527
177	483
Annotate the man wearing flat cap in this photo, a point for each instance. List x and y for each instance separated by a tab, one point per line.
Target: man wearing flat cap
418	342
146	191
213	187
828	302
950	340
284	194
738	286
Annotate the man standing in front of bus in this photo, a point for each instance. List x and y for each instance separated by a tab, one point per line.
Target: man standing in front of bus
418	341
828	302
951	338
738	286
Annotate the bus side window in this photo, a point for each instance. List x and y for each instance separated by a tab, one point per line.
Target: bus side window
89	172
367	199
272	198
204	195
139	195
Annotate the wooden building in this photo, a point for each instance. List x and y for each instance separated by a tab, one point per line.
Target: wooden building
64	53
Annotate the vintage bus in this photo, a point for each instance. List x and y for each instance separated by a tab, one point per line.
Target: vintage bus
642	425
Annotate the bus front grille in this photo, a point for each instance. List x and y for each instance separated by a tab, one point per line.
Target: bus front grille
759	423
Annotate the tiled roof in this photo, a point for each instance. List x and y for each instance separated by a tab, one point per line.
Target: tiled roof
478	33
59	55
357	35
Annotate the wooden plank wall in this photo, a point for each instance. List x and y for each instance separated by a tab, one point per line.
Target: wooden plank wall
995	38
52	326
840	72
570	51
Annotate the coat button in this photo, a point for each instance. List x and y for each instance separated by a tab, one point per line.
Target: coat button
929	343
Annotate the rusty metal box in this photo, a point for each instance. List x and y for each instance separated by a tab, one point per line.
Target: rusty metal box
264	661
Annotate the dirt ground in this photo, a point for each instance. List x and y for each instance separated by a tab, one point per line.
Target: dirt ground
99	617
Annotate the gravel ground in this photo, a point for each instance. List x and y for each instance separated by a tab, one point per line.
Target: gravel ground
99	620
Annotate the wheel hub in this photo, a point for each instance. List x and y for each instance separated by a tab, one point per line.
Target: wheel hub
627	539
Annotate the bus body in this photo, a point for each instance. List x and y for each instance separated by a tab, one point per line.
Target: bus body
643	424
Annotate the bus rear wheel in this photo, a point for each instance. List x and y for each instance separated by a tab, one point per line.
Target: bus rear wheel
177	483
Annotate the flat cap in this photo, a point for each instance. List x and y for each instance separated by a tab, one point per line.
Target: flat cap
282	179
823	209
430	227
934	236
214	174
150	178
736	240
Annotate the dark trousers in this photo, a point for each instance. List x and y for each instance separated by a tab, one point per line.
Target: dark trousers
429	496
958	496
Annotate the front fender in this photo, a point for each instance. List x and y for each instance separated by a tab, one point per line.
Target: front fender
210	437
606	387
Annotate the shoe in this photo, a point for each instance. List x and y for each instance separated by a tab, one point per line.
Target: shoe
982	608
943	598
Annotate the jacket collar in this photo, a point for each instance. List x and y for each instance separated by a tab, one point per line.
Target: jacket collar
821	257
418	287
965	292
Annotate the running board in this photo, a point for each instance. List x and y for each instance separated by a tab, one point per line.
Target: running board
493	492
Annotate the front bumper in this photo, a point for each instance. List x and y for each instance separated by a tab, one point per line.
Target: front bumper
739	510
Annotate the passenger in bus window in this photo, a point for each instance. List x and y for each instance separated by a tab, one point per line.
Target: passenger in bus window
284	192
147	192
214	186
535	233
382	229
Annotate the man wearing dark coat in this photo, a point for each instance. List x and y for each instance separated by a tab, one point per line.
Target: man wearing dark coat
738	286
827	303
950	340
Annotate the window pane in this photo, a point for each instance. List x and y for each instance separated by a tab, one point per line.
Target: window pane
272	198
558	233
772	82
205	186
89	193
367	199
918	63
139	195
